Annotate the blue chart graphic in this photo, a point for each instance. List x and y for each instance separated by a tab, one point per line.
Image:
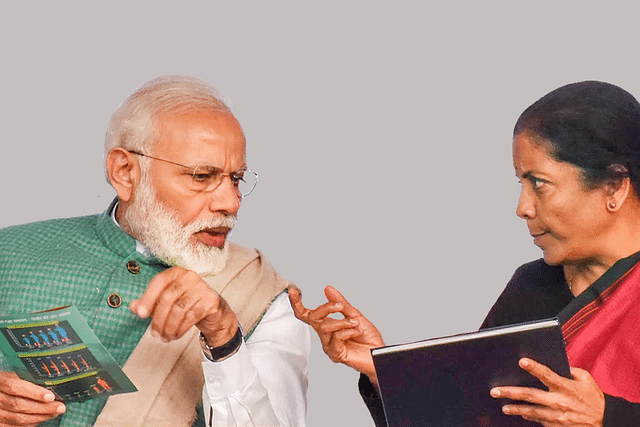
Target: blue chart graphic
54	353
40	336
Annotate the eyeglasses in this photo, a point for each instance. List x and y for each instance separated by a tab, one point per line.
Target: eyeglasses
208	178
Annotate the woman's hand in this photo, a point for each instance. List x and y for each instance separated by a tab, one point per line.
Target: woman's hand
349	340
576	402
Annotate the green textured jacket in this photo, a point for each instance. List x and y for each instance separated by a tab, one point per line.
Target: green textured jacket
80	261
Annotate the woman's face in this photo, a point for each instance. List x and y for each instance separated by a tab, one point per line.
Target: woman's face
567	220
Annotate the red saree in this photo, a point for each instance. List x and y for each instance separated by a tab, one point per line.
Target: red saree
601	328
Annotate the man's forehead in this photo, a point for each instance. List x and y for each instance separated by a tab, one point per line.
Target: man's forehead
187	119
201	135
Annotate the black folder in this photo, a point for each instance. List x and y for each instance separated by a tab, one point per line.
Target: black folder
445	382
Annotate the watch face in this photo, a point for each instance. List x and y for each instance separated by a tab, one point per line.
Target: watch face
205	347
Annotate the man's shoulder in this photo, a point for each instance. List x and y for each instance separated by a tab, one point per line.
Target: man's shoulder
43	233
242	256
248	283
236	250
51	225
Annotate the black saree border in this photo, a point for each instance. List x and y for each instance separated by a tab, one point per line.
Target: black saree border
578	311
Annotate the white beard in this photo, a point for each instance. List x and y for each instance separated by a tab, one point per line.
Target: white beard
161	232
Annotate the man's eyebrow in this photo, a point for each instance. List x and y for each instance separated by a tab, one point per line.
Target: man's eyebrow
242	168
213	168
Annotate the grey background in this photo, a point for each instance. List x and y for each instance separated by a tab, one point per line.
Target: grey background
382	134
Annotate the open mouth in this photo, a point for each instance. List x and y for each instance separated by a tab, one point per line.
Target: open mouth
213	236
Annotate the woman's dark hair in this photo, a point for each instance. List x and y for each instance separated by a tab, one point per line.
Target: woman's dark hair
592	125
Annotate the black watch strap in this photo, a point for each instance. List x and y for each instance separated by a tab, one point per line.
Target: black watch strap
216	354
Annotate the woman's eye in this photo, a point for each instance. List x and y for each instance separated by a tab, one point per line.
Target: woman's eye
536	183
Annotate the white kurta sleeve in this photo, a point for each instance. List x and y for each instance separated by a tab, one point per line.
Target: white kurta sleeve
265	382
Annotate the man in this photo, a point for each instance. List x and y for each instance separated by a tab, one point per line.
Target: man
158	260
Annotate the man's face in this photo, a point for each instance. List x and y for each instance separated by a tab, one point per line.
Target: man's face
193	139
168	213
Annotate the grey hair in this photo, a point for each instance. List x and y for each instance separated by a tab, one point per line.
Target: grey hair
132	125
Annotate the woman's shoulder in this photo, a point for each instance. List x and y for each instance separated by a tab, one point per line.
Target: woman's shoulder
536	291
537	273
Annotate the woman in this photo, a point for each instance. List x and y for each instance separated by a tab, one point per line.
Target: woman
576	152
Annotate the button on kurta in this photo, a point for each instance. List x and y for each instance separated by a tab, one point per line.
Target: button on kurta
114	300
133	267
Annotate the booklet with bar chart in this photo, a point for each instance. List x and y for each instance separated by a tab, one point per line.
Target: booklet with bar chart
58	350
446	381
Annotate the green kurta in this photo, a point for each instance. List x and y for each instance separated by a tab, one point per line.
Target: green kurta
79	261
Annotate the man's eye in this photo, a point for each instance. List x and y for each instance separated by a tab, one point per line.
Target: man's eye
236	178
202	177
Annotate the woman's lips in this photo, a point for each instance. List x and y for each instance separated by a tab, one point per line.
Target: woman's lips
537	237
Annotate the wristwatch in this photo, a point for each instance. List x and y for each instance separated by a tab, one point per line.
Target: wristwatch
218	354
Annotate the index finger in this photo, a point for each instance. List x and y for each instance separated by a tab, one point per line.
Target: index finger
541	372
334	296
318	314
144	306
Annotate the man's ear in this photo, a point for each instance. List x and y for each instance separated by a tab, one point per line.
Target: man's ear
123	170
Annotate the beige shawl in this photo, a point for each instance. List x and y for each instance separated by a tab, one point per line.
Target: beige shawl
169	375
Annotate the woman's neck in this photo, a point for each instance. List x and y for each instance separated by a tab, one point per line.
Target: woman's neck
622	241
580	276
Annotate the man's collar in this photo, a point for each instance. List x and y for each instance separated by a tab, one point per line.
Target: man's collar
140	248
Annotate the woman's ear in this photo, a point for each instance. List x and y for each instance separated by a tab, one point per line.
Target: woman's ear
617	187
123	171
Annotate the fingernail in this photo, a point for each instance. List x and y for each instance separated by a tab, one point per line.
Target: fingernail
142	312
354	321
49	397
525	363
495	392
338	306
61	409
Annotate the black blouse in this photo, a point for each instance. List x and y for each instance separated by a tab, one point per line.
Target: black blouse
536	291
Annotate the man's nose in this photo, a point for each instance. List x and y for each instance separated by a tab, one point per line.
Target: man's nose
225	197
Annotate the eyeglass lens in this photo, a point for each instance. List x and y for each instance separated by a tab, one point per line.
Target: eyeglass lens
208	179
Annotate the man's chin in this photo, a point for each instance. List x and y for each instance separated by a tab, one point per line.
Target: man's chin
204	259
200	246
